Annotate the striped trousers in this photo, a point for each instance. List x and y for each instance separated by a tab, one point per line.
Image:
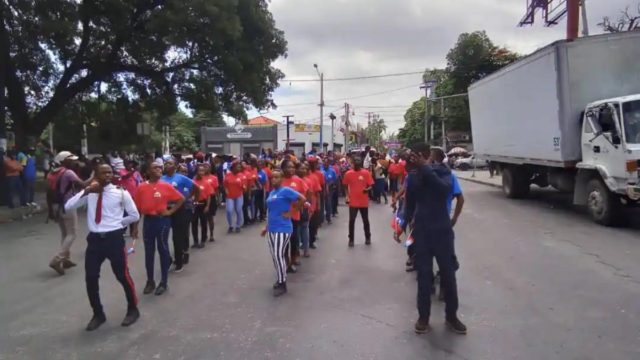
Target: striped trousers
278	243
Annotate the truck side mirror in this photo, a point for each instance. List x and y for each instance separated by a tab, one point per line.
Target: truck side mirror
595	125
615	139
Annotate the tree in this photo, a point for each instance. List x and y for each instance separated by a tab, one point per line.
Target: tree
212	55
625	22
473	57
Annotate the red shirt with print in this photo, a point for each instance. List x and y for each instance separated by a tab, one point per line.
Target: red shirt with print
298	185
213	181
206	189
150	198
314	186
320	176
357	182
234	185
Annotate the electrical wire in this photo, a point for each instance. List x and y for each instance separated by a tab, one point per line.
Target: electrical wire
355	78
352	98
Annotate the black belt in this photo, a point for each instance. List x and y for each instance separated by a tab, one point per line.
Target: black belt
105	234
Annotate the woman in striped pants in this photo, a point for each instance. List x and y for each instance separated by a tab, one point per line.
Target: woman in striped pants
282	204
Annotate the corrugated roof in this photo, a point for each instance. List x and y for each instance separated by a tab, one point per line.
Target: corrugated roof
261	120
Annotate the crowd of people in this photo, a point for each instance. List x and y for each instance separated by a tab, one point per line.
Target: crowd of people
293	196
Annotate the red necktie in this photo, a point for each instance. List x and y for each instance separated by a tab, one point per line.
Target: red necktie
99	209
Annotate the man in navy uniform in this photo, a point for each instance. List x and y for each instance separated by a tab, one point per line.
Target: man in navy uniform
426	208
106	205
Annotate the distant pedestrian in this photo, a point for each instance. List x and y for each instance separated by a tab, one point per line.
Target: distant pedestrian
380	180
359	183
283	203
290	180
331	188
234	187
213	182
62	185
152	200
202	207
29	175
106	205
13	173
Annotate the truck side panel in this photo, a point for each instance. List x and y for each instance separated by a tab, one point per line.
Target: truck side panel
515	112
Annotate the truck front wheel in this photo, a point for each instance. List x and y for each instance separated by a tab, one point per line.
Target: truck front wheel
514	183
604	207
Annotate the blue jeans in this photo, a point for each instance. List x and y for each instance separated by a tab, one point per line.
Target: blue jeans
303	230
29	190
328	204
155	233
234	205
14	187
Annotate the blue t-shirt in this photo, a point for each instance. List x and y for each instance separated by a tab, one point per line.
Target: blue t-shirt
30	171
329	175
262	177
455	190
181	183
279	202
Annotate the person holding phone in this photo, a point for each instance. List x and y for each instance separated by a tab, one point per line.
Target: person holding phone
359	183
283	203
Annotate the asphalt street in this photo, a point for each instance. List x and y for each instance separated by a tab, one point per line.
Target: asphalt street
537	280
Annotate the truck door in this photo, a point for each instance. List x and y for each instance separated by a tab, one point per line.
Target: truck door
602	145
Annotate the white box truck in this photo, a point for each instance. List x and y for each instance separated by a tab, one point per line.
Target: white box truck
566	116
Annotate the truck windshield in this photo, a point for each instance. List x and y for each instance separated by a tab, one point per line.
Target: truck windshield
631	116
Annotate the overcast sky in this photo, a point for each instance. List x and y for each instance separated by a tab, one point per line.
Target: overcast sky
351	38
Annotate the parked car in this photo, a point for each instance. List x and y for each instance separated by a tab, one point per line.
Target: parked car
469	163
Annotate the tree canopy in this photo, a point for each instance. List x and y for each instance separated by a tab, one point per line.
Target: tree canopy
473	57
211	55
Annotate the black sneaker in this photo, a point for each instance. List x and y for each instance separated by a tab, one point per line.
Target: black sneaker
280	289
292	270
230	231
148	289
238	231
422	326
454	324
185	258
297	263
329	222
409	267
178	269
351	243
194	246
312	246
96	322
201	245
367	242
211	239
162	288
133	314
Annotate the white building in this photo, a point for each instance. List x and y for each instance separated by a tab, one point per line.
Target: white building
304	137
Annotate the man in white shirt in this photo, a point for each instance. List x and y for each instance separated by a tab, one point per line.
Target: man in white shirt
106	206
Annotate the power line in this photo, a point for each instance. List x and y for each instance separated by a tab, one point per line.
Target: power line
355	78
356	97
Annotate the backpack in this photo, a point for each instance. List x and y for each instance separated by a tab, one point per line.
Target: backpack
55	195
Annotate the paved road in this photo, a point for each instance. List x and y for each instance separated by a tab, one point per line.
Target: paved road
538	281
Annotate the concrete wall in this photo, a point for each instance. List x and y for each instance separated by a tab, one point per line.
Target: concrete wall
304	137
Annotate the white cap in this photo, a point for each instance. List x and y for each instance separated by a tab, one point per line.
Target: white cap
64	155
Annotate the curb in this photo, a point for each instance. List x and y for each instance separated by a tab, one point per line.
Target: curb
481	182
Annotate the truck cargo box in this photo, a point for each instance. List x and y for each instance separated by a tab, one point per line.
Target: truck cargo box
530	111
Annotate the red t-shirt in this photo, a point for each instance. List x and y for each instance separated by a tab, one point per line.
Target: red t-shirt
320	176
357	182
336	168
213	181
267	185
298	185
206	189
396	170
248	178
151	198
234	184
314	186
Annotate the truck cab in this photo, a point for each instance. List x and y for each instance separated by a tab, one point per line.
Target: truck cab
608	173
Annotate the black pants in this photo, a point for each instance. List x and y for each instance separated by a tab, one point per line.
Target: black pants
436	243
353	214
199	215
293	246
180	221
246	205
334	201
314	224
258	195
110	246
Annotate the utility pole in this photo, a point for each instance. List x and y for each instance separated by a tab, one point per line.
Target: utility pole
347	135
425	86
333	118
585	25
433	112
369	114
573	19
321	74
288	122
444	137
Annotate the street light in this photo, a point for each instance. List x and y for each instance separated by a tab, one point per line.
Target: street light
321	104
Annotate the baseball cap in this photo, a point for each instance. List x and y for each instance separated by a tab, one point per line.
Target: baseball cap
64	155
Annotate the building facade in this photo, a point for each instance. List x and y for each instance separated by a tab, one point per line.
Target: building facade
304	137
238	139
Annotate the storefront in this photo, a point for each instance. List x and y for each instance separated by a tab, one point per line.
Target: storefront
304	137
239	139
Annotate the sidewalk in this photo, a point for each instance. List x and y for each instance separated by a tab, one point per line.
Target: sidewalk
480	177
19	213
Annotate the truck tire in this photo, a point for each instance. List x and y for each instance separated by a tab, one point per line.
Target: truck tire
514	183
603	206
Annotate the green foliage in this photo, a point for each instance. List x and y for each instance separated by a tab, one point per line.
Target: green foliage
472	58
212	55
